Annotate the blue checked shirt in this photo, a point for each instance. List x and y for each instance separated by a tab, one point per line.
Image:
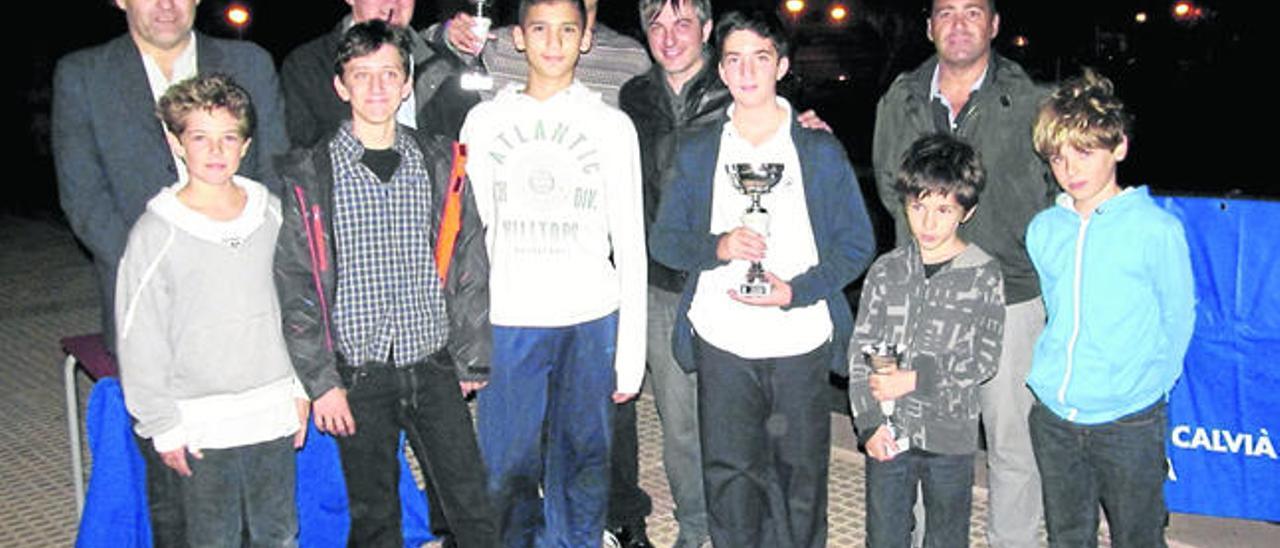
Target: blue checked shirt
388	290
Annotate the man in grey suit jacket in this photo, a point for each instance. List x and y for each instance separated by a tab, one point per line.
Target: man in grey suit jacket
111	156
108	146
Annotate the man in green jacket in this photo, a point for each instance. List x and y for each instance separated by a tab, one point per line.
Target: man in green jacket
990	102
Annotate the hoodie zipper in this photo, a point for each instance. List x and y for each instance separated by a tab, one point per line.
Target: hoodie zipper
1076	281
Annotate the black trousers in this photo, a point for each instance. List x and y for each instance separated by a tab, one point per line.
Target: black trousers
628	503
766	439
164	499
425	401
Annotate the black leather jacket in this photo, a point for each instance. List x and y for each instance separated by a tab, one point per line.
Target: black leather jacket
647	99
307	283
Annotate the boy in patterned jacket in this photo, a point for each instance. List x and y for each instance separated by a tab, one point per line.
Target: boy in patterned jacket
928	333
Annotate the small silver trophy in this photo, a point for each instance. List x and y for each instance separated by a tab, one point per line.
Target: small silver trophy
884	359
755	180
477	78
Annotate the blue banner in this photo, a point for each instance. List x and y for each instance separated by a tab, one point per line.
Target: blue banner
1227	404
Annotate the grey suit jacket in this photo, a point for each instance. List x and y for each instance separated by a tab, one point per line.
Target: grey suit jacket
109	148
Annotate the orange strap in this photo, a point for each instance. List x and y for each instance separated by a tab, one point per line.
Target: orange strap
451	220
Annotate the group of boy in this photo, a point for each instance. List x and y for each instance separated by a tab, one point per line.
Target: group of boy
410	274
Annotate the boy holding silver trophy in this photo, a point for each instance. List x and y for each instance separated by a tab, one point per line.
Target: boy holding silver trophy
929	328
762	316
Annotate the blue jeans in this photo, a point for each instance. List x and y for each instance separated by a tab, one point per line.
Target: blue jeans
947	483
550	385
237	489
1118	464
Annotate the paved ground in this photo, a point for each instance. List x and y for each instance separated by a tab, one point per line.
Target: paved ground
46	292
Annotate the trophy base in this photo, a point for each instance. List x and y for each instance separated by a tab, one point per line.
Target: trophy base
754	289
901	443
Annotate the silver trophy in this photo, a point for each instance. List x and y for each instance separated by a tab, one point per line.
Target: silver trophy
755	180
884	358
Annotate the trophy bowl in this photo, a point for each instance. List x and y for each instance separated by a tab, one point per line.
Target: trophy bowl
755	179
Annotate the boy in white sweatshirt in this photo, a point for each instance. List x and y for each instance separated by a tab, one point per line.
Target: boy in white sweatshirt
202	358
557	181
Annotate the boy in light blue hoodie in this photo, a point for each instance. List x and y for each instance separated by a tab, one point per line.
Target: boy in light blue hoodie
1115	274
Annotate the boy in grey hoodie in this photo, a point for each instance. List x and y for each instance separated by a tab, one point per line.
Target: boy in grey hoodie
202	359
929	326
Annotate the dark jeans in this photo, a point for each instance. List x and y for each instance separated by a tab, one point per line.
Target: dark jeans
425	401
947	483
1120	464
628	503
164	499
766	440
242	496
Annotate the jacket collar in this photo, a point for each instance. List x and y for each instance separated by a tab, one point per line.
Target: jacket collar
972	256
922	77
1127	198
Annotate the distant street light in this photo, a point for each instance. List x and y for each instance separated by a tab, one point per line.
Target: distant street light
1140	17
1020	41
1187	12
1184	10
794	7
237	16
838	13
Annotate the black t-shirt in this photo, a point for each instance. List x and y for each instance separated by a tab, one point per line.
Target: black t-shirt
382	162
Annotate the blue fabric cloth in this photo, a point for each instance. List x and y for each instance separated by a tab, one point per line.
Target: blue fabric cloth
681	237
115	509
1120	298
1227	405
115	512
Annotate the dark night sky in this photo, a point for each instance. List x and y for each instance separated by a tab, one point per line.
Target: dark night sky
1191	88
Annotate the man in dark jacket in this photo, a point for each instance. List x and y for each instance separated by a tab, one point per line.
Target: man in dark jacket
990	102
682	90
312	108
382	329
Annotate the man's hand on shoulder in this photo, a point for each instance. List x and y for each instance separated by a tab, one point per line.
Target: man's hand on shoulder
333	416
624	397
809	120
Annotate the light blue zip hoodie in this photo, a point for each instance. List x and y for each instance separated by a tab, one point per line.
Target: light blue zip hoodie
1120	299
